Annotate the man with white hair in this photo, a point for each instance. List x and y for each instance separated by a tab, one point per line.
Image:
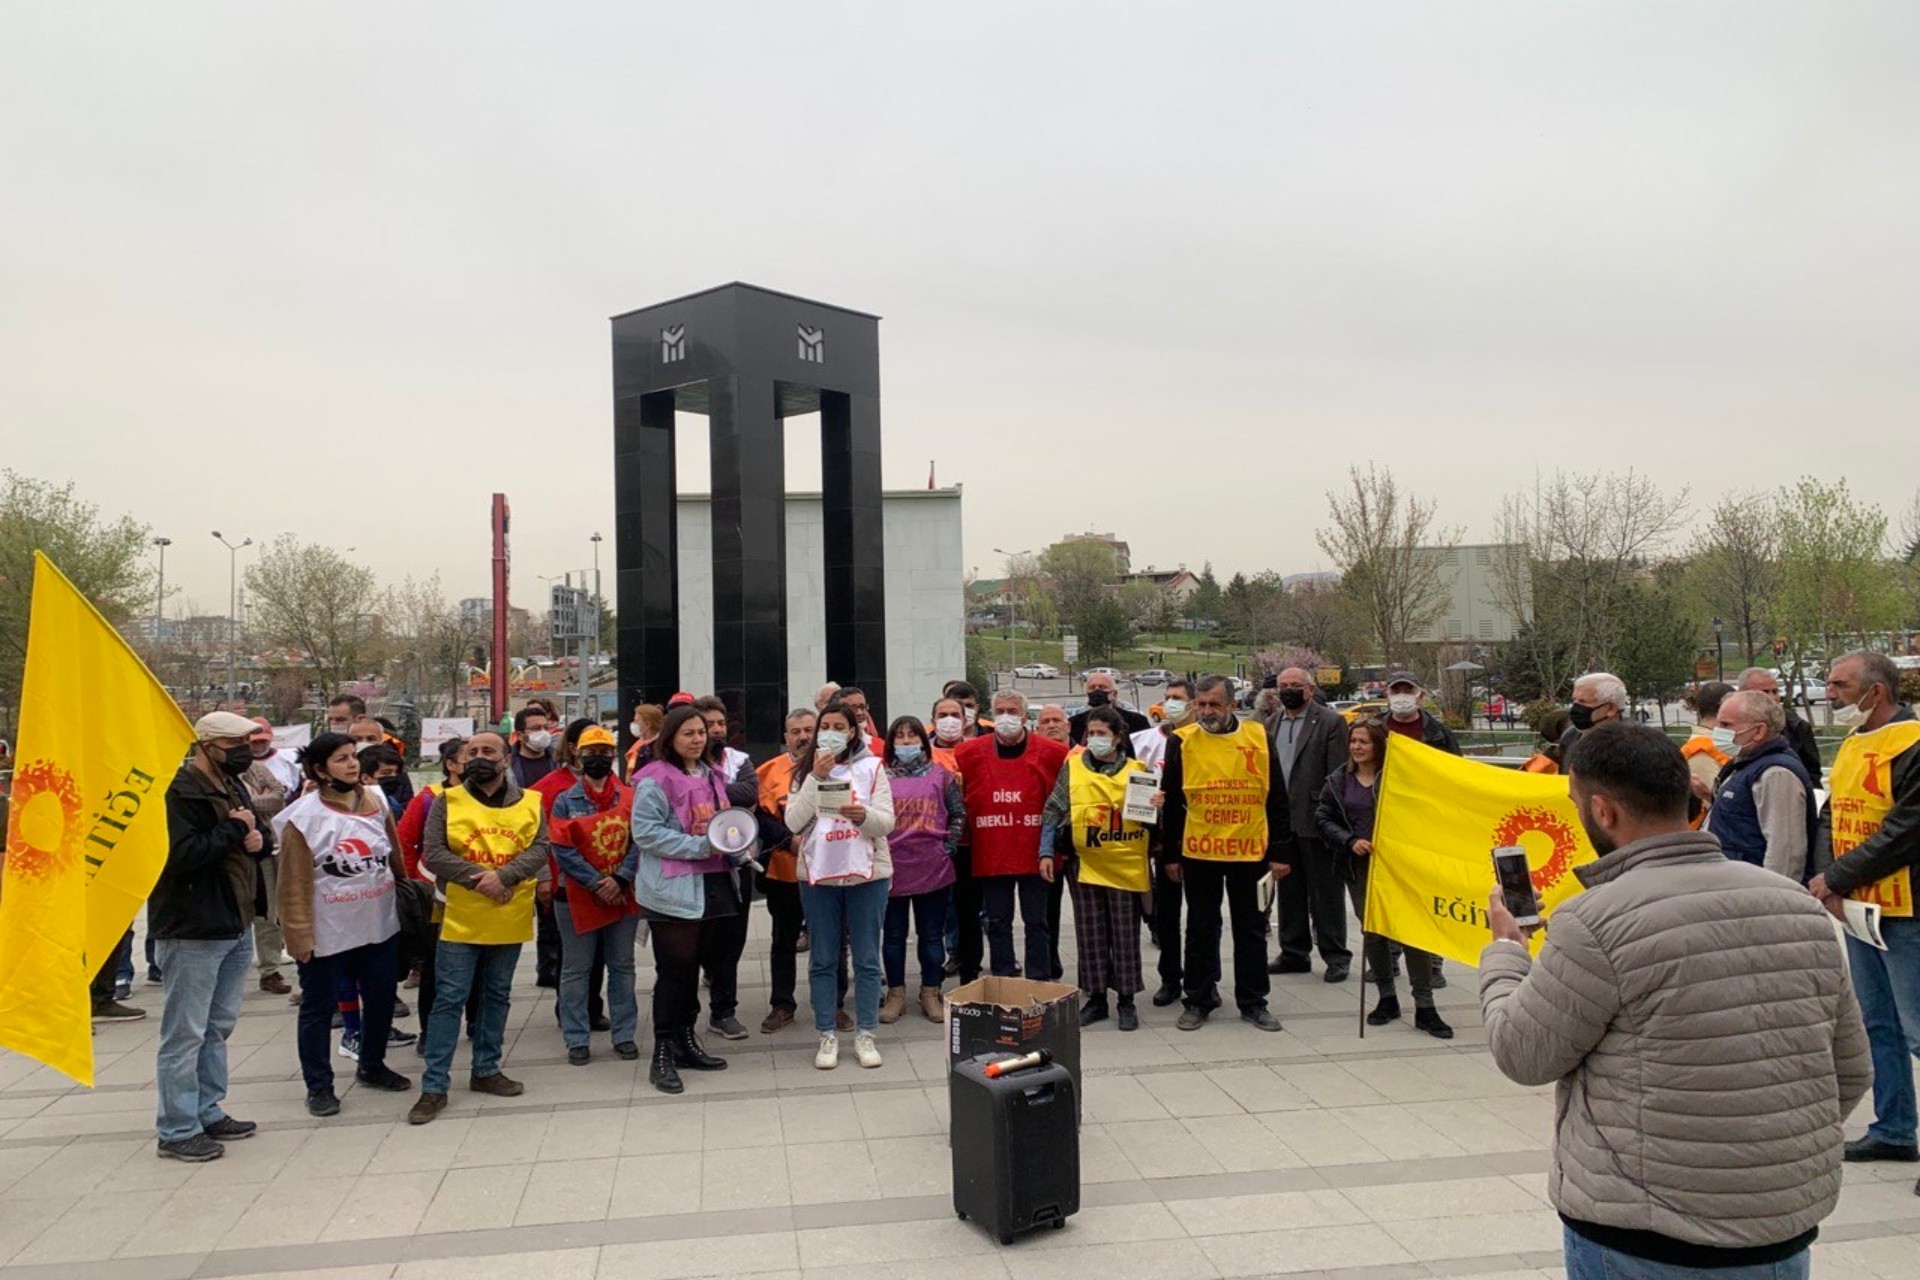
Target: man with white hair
1799	733
1763	805
824	694
1598	696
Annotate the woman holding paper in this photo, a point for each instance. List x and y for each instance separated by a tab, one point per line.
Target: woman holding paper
840	814
1345	818
688	891
1108	863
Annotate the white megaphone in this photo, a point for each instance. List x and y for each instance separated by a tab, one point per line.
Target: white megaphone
736	833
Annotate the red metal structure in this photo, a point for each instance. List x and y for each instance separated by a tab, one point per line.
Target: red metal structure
497	668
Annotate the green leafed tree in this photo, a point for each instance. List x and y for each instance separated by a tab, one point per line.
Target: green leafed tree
1204	605
1657	639
104	559
1838	585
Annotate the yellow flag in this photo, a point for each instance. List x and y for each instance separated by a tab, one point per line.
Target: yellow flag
87	830
1440	818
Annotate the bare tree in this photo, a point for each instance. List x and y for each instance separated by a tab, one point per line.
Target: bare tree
1319	616
309	597
1736	564
1389	553
436	641
1572	545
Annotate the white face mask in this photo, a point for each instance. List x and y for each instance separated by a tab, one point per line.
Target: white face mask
832	742
1723	740
948	728
1402	704
637	729
1851	717
1008	725
1099	747
539	739
1174	708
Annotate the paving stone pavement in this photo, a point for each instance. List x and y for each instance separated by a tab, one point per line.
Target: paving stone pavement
1225	1152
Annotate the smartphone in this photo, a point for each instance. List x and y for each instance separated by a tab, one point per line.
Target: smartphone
1516	884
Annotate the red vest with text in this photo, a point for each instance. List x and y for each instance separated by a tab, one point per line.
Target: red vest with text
1004	800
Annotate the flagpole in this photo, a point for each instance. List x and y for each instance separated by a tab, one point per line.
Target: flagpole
1363	948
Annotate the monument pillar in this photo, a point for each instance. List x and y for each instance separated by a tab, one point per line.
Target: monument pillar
747	358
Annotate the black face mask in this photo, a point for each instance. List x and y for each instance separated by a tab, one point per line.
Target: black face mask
338	787
1581	717
1293	699
390	785
1098	697
480	772
597	767
235	761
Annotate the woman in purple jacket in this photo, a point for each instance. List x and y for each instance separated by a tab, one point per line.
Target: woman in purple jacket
928	817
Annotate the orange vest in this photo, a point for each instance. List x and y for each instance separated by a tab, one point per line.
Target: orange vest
1703	746
776	784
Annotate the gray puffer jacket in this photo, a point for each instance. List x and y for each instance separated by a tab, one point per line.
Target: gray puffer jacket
1697	1016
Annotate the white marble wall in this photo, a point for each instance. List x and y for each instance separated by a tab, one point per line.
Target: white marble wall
926	642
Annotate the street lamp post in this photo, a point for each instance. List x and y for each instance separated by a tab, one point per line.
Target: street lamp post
233	602
1013	614
593	647
160	597
1719	652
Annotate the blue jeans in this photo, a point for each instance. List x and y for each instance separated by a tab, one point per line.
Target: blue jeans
1887	984
576	969
929	913
457	968
1589	1261
859	910
205	980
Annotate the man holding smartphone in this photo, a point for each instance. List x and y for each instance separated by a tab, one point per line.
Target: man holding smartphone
1679	978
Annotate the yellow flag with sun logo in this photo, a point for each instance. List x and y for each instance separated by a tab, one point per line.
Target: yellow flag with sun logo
1439	820
87	823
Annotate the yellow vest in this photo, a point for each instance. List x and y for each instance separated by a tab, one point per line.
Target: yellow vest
491	838
1861	783
1112	850
1225	776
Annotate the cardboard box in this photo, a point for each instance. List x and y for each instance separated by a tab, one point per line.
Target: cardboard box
1015	1015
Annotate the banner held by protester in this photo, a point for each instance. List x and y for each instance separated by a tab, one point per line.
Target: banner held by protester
1440	818
99	742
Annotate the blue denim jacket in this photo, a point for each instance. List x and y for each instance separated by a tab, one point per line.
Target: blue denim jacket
657	836
575	803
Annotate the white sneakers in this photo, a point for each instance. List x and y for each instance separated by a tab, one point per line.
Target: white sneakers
866	1050
827	1056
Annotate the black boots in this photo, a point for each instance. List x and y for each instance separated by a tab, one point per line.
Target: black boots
1386	1011
662	1075
688	1054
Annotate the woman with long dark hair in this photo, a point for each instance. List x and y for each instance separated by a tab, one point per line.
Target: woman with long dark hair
840	814
339	867
1345	818
689	893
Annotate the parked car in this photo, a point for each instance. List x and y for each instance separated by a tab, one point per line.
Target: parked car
1159	675
1355	712
1036	671
1101	671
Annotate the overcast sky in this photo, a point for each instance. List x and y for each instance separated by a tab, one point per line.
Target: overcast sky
344	269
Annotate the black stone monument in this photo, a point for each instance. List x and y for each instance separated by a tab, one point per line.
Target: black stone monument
747	358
